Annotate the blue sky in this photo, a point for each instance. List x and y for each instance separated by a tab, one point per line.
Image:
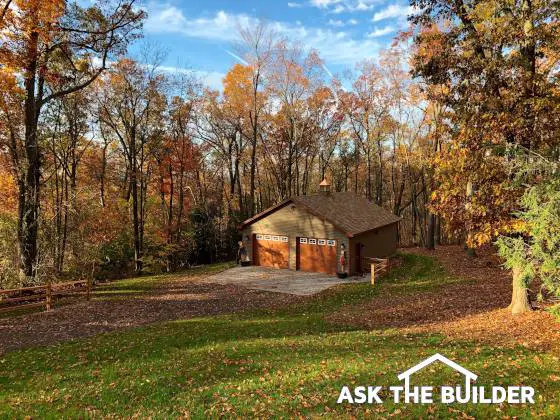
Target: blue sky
199	34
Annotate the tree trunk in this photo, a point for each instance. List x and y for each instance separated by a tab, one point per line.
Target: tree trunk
519	298
438	231
135	207
430	240
30	189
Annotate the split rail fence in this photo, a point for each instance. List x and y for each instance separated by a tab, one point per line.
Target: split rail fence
378	267
43	295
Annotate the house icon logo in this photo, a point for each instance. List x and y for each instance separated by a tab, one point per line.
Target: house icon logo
467	393
469	376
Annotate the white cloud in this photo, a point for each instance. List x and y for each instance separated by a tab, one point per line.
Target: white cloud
337	23
323	4
339	6
169	19
294	5
338	9
393	11
361	6
335	47
212	79
379	32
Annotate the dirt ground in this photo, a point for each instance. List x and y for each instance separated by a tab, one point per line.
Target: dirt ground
184	297
474	310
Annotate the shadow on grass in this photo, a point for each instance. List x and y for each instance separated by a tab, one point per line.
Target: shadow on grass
215	366
278	362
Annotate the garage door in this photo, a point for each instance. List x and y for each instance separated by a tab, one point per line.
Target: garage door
271	250
318	255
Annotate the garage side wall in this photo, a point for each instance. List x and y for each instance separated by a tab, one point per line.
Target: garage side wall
379	243
293	222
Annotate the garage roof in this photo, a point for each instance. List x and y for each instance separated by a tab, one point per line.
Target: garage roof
345	210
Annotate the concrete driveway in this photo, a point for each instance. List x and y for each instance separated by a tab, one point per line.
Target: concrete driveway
281	281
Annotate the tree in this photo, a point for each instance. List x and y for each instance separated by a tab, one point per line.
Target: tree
533	252
131	107
497	63
64	141
176	157
368	113
57	48
256	47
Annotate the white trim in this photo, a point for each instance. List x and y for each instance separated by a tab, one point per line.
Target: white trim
432	359
321	242
276	238
267	237
312	241
284	238
302	240
331	242
259	236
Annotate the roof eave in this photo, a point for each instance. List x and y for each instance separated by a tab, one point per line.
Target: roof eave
375	228
264	213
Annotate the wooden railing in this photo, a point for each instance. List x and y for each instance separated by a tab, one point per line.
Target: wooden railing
43	295
378	266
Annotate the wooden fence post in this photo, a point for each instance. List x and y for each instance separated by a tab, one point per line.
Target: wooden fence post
88	293
49	296
372	274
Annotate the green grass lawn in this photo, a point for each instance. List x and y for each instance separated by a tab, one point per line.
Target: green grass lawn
284	362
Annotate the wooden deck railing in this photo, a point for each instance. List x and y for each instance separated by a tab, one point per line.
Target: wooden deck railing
43	295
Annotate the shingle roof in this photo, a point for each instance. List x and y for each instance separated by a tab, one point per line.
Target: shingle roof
345	210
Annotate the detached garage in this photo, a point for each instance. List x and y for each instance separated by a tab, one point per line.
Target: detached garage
310	233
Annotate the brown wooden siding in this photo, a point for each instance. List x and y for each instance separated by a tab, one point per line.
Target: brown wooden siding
294	222
379	243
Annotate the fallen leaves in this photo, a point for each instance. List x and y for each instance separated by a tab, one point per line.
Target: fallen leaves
175	297
469	310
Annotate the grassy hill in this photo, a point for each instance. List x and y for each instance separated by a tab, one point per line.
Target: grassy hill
286	361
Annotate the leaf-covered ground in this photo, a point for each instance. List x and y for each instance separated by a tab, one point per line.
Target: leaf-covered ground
289	361
131	303
471	302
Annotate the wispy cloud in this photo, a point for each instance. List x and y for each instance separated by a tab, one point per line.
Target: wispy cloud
337	23
294	5
323	4
393	11
338	9
340	6
337	47
212	79
241	60
379	32
327	71
361	6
